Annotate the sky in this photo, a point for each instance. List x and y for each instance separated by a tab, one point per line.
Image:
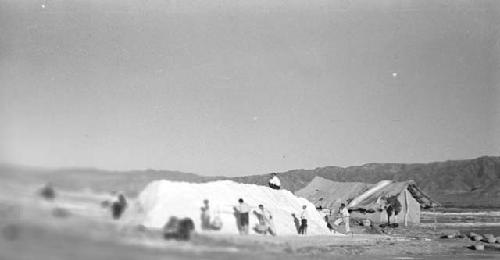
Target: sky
233	87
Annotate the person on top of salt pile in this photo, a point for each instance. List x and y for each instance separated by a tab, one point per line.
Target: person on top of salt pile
265	221
209	221
303	218
241	213
274	182
344	217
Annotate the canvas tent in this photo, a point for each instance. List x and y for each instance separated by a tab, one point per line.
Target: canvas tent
368	200
162	199
329	194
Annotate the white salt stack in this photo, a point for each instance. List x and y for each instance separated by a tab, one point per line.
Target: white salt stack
162	199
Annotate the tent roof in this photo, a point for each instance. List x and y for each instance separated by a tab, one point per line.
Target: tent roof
390	190
332	193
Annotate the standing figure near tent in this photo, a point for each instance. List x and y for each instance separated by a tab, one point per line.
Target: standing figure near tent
241	212
265	221
344	217
274	182
303	221
392	205
328	224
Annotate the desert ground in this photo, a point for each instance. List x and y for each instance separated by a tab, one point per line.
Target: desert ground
76	226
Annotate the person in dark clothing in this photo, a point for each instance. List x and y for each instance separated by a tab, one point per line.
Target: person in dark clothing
303	221
296	222
118	206
328	224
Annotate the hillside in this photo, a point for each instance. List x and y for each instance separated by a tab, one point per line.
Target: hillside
460	183
130	182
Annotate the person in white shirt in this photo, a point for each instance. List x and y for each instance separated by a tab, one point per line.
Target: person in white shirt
274	182
241	211
265	221
303	218
344	217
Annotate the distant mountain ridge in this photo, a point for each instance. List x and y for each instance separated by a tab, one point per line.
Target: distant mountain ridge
457	183
130	182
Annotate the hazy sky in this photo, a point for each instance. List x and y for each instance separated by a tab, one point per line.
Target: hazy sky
245	87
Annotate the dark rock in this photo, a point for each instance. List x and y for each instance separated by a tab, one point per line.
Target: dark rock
48	192
178	229
490	240
477	238
478	247
472	234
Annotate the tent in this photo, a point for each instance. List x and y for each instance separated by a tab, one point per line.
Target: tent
367	201
162	199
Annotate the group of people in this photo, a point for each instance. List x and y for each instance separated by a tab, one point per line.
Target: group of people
210	219
264	216
301	219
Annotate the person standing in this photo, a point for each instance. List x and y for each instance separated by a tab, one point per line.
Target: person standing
205	215
303	221
296	222
274	182
344	217
241	211
344	212
118	205
265	221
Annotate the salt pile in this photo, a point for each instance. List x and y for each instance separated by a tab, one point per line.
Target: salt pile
162	199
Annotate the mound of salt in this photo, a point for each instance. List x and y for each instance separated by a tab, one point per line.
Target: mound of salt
162	199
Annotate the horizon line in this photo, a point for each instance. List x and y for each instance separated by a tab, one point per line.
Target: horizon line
80	168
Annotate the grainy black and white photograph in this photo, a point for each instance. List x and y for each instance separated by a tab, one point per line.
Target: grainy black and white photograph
249	129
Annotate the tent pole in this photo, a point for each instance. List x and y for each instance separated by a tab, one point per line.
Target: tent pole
407	208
